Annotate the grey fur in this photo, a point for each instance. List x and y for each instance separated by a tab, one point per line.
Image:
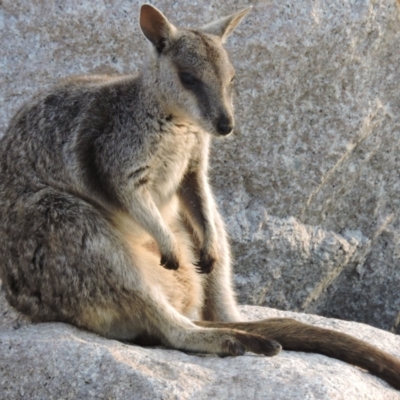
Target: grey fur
107	218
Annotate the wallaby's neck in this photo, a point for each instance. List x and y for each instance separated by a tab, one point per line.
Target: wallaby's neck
149	79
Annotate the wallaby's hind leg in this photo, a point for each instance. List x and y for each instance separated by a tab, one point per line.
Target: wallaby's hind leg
153	317
69	263
157	319
219	297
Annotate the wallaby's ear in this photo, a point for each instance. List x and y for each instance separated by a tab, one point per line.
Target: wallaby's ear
225	26
155	26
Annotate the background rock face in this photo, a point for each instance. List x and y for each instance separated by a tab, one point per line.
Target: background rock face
310	182
58	361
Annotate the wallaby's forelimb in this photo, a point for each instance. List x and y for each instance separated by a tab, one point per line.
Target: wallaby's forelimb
195	195
297	336
147	214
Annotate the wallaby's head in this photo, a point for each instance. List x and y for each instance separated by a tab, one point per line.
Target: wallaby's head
190	69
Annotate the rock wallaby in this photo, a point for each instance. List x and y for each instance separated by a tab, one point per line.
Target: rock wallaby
107	219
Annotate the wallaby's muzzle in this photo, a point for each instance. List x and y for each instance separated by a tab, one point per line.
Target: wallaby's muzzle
224	125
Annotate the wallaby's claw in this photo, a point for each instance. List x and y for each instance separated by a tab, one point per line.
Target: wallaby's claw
271	348
205	264
169	263
259	344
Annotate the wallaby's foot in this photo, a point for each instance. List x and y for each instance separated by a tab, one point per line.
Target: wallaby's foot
243	342
224	342
205	264
235	344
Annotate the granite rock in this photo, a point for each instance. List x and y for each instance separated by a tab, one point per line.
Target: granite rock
319	138
314	157
286	264
58	361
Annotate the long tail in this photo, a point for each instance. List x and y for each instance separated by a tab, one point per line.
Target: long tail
297	336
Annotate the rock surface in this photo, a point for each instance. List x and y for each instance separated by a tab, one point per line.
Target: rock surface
319	114
58	361
309	185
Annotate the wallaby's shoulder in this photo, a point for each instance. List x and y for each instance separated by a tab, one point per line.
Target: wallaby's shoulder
59	112
77	92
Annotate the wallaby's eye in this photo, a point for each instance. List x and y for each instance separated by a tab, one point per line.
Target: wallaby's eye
188	79
233	80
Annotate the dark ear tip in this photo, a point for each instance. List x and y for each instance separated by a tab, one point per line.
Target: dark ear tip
146	8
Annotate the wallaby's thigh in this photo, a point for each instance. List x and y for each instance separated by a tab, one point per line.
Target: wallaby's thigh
61	257
64	261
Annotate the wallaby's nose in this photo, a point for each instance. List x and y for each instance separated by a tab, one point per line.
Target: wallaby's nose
224	125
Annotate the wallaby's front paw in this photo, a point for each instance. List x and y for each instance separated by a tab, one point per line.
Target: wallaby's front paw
169	262
205	264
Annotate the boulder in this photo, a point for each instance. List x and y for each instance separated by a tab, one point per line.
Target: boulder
318	140
309	183
59	361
